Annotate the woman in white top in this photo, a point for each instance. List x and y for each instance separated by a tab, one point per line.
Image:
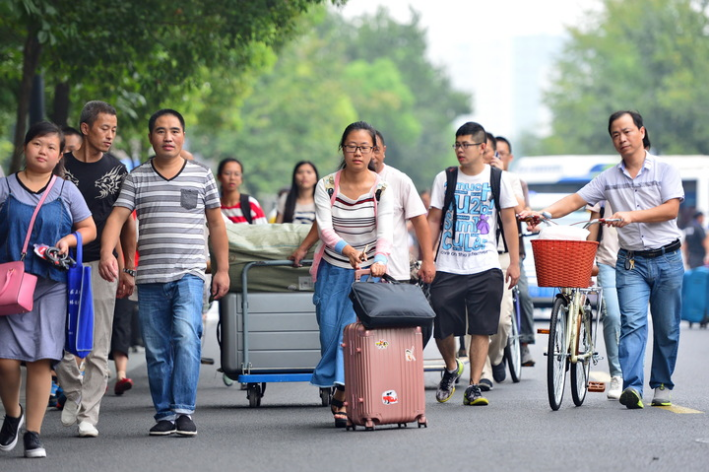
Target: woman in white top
298	204
354	216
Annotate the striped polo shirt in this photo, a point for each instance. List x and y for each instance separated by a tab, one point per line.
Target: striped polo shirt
171	219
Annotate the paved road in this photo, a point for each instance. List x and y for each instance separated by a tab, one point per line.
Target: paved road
292	432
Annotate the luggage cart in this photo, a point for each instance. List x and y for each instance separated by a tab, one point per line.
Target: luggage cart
269	337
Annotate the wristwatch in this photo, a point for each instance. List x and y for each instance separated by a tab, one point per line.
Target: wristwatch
129	271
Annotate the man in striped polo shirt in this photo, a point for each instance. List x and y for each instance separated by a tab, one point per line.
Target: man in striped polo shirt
171	196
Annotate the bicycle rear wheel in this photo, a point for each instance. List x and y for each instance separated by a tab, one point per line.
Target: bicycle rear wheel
513	350
582	368
556	353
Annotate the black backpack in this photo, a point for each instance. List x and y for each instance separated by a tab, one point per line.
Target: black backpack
246	207
452	180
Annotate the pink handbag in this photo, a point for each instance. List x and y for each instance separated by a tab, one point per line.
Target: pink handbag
16	286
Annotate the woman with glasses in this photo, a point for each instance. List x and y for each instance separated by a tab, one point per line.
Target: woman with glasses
237	207
298	204
355	223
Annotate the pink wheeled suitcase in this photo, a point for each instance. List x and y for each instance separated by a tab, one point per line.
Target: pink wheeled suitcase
384	376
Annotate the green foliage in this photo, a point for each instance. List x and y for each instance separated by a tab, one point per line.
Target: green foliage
646	55
143	54
371	68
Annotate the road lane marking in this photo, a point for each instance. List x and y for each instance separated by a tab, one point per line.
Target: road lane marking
679	409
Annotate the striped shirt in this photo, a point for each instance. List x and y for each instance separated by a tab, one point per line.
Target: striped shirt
171	219
235	215
357	222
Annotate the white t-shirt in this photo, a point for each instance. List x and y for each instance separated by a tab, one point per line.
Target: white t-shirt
407	204
475	247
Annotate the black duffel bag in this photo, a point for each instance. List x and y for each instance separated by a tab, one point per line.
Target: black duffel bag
390	304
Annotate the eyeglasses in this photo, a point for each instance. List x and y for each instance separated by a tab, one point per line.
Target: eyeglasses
363	149
464	145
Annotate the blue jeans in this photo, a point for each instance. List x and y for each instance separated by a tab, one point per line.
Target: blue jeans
334	311
659	282
611	316
171	320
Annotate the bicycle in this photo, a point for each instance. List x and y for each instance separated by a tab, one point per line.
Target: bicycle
572	337
513	350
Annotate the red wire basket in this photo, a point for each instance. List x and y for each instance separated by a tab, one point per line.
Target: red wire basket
564	263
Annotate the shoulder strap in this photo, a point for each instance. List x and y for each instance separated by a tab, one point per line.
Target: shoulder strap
495	178
245	205
451	182
330	186
34	216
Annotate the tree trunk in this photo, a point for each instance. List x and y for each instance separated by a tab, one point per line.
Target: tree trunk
30	62
60	114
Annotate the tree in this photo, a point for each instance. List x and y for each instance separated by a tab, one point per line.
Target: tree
646	55
153	52
370	68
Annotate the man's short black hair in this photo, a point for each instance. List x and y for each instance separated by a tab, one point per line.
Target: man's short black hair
165	111
471	128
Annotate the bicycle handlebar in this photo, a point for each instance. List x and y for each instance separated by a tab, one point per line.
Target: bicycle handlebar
600	221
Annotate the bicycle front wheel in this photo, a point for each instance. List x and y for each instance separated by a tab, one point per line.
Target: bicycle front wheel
513	351
557	353
582	368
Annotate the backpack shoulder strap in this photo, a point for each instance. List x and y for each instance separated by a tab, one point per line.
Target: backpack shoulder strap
495	178
451	182
330	187
245	207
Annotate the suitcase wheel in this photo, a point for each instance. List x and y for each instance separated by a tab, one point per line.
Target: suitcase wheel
369	425
228	382
402	425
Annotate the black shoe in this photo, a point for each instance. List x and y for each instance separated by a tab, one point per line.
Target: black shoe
485	384
163	427
473	397
33	446
498	372
10	432
185	426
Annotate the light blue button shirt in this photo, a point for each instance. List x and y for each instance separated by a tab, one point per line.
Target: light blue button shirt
656	183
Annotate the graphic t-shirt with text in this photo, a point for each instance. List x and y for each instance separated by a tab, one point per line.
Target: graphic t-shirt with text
474	249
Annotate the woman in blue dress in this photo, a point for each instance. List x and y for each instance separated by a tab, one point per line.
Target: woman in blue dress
36	337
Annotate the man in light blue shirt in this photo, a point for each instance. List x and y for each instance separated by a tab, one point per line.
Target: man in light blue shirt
646	196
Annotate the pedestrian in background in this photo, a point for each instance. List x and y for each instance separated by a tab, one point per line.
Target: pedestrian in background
236	206
298	204
99	176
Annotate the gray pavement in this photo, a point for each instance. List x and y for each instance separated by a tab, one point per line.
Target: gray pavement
292	432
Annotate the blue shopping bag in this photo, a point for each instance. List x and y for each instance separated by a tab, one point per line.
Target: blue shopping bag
80	314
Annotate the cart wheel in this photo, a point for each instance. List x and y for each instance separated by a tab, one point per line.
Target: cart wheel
325	396
228	382
254	394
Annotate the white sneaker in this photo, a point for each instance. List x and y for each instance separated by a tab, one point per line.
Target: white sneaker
615	388
70	411
662	396
86	429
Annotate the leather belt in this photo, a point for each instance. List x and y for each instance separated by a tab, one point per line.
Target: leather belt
674	246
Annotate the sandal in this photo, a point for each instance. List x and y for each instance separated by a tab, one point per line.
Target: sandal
339	415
